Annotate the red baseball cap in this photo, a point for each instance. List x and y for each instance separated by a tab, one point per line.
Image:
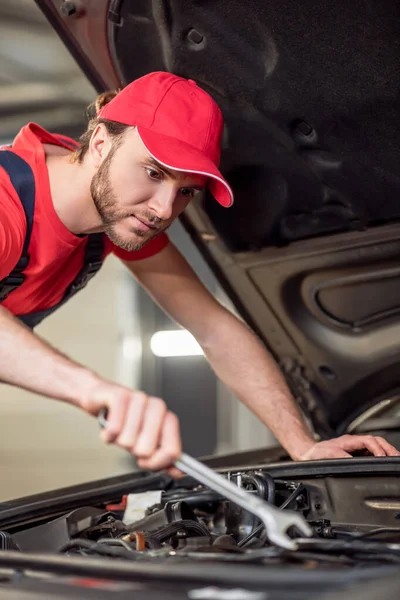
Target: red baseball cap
179	123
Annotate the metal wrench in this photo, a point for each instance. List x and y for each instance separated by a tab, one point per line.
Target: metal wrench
276	522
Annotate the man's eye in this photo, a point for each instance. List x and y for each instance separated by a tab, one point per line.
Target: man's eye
153	174
188	192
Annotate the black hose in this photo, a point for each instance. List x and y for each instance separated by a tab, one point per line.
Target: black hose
265	487
350	547
116	542
192	527
300	555
292	496
251	535
260	527
377	531
263	483
194	498
98	548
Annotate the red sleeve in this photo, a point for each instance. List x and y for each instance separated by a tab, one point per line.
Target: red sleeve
150	249
12	226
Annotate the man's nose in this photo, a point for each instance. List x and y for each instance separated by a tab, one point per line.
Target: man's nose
162	202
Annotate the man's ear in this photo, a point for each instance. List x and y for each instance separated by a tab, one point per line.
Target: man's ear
100	145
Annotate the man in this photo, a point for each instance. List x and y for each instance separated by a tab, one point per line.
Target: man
145	155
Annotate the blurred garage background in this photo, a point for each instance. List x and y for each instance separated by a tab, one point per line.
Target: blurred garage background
112	326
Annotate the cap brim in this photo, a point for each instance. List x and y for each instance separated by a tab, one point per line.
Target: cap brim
179	156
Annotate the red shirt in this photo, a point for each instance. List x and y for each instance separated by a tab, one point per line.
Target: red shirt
56	254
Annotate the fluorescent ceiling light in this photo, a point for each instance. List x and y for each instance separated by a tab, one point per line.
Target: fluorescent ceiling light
175	343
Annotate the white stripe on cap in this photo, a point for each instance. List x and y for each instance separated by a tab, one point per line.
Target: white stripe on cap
189	170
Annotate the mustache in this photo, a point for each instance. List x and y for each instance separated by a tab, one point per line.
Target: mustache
152	220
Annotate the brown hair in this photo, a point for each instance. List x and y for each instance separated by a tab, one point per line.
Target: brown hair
115	129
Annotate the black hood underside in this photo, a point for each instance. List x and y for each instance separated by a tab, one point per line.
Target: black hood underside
310	93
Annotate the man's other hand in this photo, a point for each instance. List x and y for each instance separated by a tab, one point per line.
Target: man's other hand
343	446
138	423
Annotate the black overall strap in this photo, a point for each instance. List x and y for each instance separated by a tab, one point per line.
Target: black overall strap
92	263
23	181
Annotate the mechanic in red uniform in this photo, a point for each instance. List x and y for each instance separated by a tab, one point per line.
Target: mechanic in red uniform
65	207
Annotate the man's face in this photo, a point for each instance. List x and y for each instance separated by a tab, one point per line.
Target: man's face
136	197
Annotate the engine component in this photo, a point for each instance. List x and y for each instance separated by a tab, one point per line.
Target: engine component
191	521
86	521
276	523
138	504
7	542
138	538
173	511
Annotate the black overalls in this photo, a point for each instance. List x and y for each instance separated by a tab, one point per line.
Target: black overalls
23	181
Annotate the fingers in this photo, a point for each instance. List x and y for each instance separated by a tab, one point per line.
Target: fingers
175	473
341	447
376	445
389	449
359	442
342	455
372	444
124	419
170	446
140	424
135	410
152	429
115	419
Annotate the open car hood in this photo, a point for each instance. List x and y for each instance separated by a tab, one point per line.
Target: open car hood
309	253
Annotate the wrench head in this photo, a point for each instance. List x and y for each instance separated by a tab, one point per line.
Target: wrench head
277	528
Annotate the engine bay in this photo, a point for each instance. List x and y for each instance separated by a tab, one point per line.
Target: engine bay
353	514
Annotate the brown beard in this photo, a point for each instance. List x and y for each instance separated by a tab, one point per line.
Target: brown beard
106	204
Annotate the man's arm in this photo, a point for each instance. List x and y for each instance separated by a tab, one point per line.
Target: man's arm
137	422
238	357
